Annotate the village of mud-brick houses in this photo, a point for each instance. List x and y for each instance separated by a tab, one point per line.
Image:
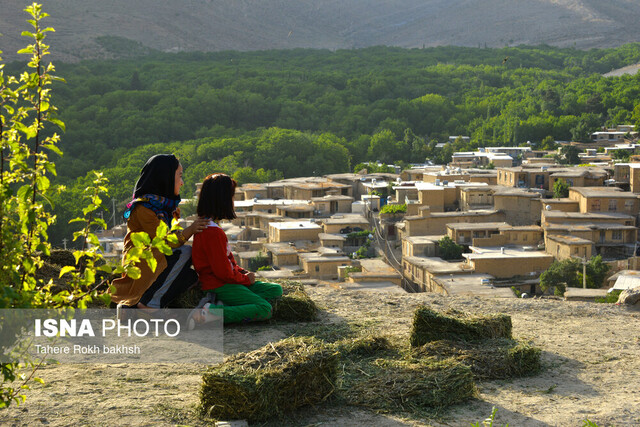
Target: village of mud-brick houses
336	228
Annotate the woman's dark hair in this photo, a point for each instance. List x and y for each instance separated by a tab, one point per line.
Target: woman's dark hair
216	197
158	177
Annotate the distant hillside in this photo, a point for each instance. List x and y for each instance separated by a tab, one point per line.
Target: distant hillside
212	25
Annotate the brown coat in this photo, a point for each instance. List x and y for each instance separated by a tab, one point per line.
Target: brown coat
129	291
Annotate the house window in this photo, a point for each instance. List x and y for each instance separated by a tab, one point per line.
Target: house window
524	237
616	234
628	205
576	250
317	268
595	205
613	205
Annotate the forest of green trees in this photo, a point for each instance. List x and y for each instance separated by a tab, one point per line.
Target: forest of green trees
271	114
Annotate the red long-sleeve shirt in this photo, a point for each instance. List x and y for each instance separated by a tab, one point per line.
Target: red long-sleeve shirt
214	261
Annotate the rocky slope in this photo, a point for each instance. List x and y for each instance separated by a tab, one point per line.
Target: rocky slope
210	25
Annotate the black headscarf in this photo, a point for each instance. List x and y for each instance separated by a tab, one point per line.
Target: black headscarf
158	177
155	187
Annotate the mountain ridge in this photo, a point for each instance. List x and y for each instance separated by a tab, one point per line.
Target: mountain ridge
213	25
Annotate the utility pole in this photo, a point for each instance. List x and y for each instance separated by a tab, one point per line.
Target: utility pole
64	243
113	203
584	272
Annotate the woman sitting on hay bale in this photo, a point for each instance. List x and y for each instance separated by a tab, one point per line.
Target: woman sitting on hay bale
243	298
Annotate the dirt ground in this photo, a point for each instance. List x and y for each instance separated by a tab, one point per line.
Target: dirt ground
591	370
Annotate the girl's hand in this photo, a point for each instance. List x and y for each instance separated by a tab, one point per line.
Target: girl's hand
196	227
252	277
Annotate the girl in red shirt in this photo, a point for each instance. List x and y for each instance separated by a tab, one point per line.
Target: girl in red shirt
244	299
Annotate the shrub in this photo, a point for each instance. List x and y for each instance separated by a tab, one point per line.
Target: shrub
393	209
449	249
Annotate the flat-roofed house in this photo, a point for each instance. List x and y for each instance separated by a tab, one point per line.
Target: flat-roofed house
291	231
329	205
520	207
508	262
472	159
296	211
634	179
421	270
253	191
564	247
332	240
282	254
544	176
420	246
441	197
493	234
605	199
560	205
345	224
524	177
470	285
435	223
322	267
464	233
308	190
613	234
579	177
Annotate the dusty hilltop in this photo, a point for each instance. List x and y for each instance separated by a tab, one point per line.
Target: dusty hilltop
590	356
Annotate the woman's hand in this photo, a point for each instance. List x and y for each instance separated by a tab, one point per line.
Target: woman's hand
196	227
252	277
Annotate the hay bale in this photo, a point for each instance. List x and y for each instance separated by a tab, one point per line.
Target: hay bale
271	381
429	325
371	345
408	385
295	305
491	359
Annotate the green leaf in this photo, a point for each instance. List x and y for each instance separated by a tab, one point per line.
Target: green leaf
20	127
43	183
152	263
77	255
162	229
134	273
44	106
106	299
172	239
106	268
54	148
140	239
93	239
89	276
164	248
66	269
24	192
59	123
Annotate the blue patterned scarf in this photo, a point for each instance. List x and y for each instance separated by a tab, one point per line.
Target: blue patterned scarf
161	206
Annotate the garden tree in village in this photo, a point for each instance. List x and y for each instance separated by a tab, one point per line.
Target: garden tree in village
560	189
448	249
25	204
568	155
568	273
548	143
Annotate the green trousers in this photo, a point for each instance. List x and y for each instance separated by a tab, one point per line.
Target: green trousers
246	303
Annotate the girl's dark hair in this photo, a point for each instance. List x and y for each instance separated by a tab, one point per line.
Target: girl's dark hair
216	197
